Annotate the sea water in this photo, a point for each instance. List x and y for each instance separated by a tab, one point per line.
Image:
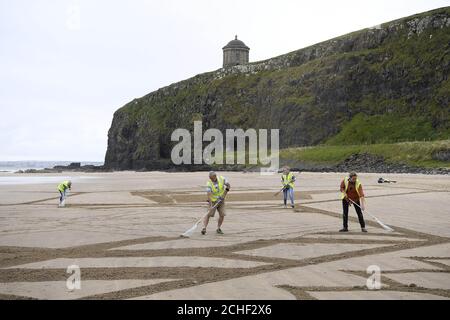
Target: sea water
8	167
13	166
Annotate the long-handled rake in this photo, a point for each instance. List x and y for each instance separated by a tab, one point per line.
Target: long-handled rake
278	192
375	218
189	232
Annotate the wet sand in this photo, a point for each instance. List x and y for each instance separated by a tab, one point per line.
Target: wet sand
122	229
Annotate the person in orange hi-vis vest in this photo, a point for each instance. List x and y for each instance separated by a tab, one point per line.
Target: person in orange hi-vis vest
352	190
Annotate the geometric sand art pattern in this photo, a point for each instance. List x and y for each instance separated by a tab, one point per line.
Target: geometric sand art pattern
122	231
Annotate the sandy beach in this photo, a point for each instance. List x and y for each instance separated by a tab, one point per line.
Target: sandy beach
123	231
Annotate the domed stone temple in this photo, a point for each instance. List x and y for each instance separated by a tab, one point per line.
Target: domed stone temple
235	53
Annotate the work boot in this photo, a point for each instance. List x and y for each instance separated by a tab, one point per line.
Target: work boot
219	231
363	230
343	230
203	231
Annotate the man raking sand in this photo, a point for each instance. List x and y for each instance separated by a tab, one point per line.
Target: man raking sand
352	192
288	179
217	189
63	189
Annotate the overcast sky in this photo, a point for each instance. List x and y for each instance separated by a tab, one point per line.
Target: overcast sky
67	65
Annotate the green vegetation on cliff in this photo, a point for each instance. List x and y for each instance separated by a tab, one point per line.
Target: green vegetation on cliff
386	128
379	85
419	154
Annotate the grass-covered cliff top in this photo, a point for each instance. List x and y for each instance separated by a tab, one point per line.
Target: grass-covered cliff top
418	153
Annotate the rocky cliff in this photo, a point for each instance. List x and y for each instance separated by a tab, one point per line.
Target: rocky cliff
396	72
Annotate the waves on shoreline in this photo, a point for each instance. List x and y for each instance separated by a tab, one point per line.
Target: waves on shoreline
13	166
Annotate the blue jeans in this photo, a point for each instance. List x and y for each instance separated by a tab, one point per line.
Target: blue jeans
290	192
62	196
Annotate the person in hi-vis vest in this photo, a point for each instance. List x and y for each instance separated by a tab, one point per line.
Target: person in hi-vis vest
287	180
216	188
62	188
351	190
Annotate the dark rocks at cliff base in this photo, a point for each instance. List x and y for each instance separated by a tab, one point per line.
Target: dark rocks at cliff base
365	162
362	162
74	167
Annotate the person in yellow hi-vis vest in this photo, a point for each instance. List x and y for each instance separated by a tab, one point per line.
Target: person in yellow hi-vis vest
352	192
62	188
216	188
288	179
